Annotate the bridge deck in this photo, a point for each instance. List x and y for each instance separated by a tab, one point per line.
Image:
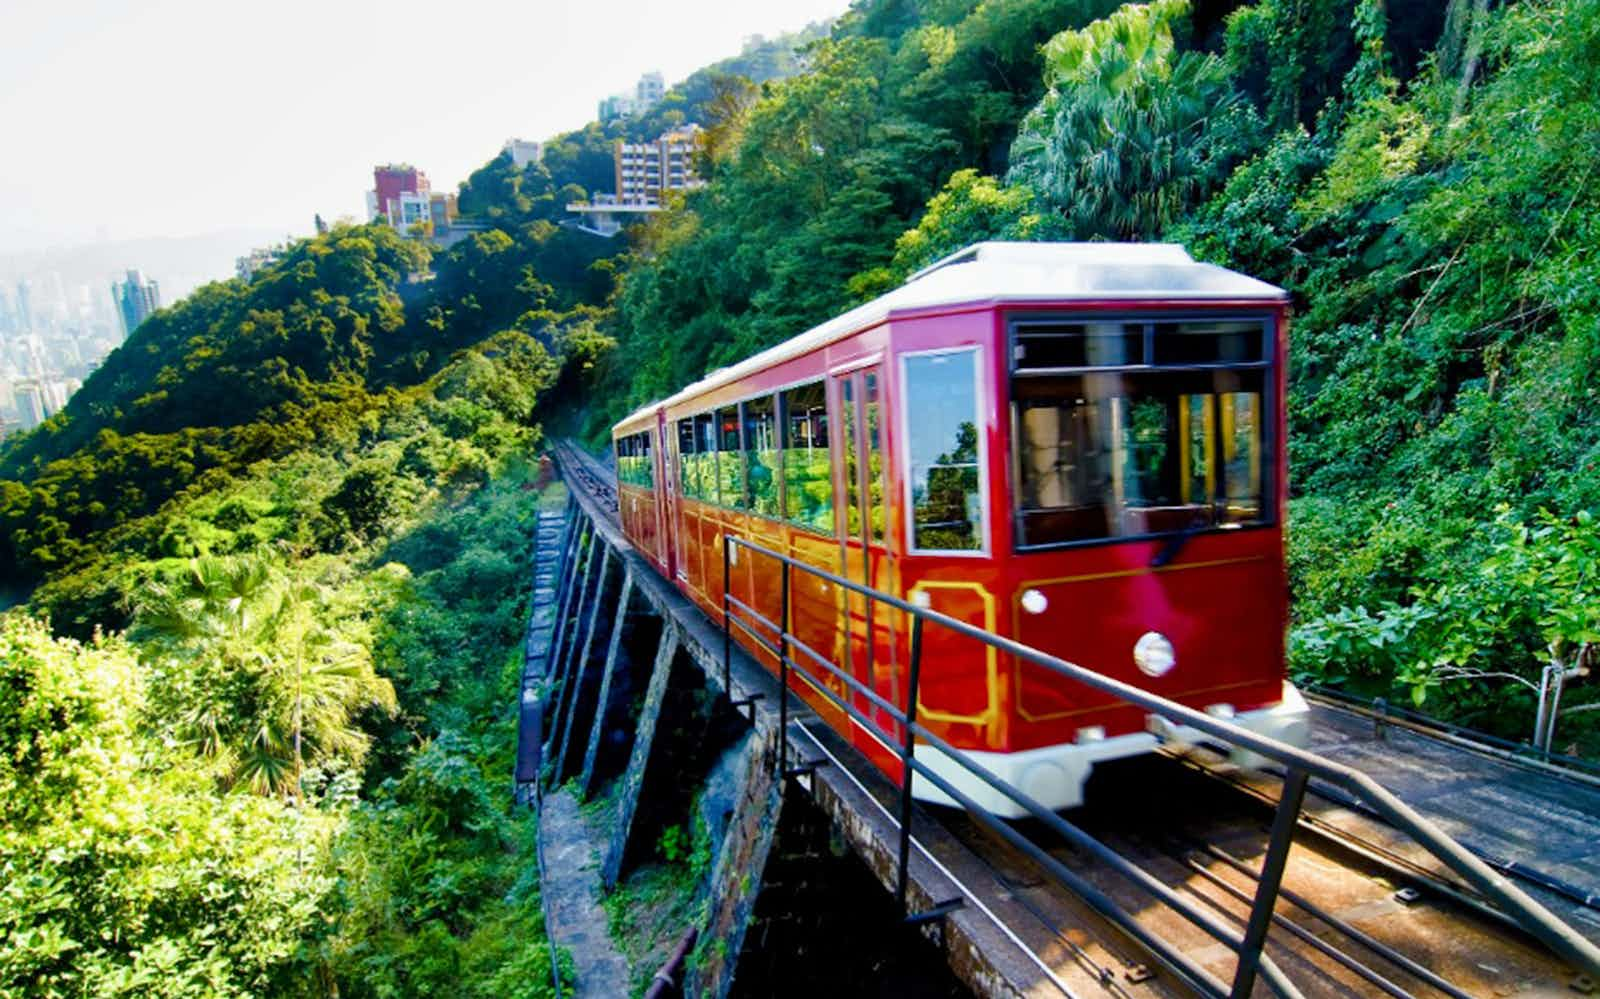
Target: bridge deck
1534	823
1017	937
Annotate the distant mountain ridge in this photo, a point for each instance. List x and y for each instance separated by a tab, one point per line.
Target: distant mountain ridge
180	263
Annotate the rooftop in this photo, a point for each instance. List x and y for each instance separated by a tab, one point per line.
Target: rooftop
1019	273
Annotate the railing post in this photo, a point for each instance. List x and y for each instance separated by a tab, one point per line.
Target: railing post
1255	933
727	628
907	752
783	674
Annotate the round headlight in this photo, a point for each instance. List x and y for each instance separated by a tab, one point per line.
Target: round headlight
1153	654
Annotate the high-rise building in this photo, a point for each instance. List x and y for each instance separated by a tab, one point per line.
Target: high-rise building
136	298
650	89
390	184
30	403
646	170
523	151
25	304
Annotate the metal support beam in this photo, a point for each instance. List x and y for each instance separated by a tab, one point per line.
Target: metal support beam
565	648
643	739
566	584
584	657
597	728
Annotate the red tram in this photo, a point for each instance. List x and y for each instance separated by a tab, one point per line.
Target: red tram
1078	446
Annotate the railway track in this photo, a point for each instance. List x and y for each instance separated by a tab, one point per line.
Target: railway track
590	474
1356	916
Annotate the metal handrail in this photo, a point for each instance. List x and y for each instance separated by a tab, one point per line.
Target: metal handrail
1162	715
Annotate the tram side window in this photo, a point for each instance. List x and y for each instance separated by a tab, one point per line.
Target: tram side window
633	461
852	460
688	468
1171	440
875	470
730	459
942	438
761	446
807	465
705	446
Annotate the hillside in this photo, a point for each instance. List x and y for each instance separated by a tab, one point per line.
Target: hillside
1420	178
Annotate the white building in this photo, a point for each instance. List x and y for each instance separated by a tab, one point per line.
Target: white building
523	151
647	93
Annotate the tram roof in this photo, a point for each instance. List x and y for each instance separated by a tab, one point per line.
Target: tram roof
1013	273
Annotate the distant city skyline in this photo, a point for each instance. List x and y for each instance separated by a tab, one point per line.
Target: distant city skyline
183	117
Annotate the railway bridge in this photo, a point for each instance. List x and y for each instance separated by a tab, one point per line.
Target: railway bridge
1183	875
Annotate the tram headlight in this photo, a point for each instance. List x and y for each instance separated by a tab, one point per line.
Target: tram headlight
1034	602
1154	655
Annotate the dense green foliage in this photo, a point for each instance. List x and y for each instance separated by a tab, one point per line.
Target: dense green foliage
287	777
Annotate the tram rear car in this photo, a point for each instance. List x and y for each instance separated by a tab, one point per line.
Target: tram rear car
1078	446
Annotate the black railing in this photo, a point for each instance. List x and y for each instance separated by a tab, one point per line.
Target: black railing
1161	718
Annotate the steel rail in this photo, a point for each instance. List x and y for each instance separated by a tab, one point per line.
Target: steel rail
1535	918
1355	933
1300	933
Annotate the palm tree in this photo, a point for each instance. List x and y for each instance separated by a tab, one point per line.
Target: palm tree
1126	138
269	679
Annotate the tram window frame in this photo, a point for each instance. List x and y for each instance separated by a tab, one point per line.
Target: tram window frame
765	407
647	467
1263	364
790	482
688	470
910	460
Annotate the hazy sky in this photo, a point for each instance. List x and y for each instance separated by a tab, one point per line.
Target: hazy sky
125	119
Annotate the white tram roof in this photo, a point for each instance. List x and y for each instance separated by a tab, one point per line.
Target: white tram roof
1015	273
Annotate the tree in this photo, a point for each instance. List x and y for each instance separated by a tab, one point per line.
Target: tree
1130	136
256	672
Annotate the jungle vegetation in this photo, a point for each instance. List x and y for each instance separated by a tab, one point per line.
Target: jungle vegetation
257	704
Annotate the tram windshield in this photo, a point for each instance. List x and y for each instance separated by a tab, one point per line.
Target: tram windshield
1137	428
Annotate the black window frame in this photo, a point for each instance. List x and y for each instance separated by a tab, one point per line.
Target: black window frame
1272	414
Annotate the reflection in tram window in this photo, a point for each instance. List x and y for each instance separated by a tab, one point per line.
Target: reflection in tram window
761	443
807	468
875	471
730	459
942	433
688	470
705	446
1124	454
633	461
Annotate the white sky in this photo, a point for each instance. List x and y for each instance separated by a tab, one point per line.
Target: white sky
132	118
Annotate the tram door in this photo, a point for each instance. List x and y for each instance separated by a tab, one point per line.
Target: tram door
671	480
864	555
666	488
